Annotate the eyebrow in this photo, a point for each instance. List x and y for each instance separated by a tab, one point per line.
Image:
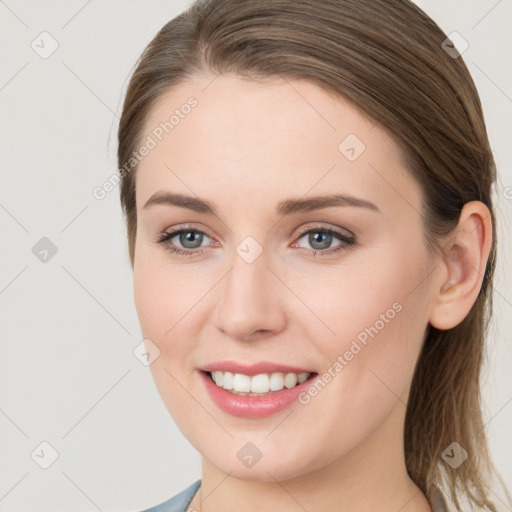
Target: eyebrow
286	207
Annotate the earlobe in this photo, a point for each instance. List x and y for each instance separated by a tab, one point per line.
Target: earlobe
463	261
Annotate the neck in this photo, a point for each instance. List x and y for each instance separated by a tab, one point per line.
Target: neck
372	476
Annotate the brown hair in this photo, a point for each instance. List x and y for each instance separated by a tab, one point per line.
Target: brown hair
387	59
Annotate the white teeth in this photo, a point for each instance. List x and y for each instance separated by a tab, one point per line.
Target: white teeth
303	377
242	383
259	383
276	381
218	377
227	381
262	383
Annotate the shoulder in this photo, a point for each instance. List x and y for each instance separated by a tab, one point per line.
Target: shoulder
178	503
438	501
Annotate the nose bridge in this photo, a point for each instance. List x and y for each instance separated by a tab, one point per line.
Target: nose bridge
249	301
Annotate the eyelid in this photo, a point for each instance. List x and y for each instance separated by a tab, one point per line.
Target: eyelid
319	226
175	230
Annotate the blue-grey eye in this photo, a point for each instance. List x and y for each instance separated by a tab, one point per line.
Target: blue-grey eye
323	239
190	237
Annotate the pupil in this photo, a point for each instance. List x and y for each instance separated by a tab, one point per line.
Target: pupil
189	236
317	237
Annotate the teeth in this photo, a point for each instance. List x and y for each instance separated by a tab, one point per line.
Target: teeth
258	384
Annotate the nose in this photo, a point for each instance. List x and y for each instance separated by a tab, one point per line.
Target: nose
250	303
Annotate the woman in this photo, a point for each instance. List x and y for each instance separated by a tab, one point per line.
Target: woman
307	189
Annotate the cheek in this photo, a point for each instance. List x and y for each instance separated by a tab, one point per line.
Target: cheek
169	303
160	304
163	294
376	315
148	300
369	361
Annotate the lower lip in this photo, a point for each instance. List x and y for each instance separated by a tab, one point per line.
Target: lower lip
253	407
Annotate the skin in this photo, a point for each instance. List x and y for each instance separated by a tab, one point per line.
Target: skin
247	146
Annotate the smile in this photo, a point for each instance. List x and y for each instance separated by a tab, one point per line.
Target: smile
279	390
257	385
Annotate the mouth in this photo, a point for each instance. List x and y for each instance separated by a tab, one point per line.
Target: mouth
261	384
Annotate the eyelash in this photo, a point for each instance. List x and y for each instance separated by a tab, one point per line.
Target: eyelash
164	237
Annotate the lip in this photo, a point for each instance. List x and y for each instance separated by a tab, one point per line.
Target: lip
253	407
252	369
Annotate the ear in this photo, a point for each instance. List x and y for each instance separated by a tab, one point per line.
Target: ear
462	261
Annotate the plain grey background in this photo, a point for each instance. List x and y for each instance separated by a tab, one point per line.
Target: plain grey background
68	325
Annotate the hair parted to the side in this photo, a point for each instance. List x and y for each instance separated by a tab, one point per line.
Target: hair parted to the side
386	58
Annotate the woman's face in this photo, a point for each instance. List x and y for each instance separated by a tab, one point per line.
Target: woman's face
259	281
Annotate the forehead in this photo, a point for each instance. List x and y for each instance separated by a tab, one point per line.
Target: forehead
261	137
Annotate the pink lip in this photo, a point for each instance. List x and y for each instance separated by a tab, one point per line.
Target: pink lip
252	369
253	407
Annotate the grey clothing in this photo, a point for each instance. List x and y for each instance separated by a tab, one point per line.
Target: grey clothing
178	503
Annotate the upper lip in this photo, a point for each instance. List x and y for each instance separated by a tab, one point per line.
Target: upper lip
253	368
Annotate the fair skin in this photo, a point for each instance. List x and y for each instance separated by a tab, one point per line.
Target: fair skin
247	146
